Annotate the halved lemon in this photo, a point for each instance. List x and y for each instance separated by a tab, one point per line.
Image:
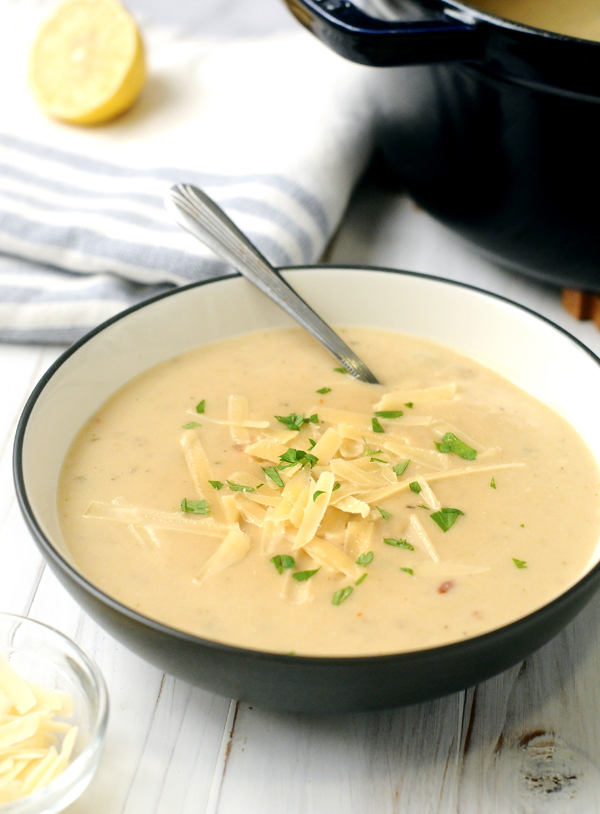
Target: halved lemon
87	63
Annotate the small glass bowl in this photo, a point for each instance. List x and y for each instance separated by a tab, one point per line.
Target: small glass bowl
43	655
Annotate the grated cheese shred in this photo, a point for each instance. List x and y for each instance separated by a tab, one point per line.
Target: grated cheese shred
30	754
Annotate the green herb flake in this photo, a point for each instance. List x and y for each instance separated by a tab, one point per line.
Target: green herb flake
493	483
317	493
281	561
361	578
191	425
409	404
341	595
370	450
408	571
216	484
398	543
200	407
296	456
446	518
336	486
389	413
195	506
414	486
450	443
520	563
386	515
312	442
365	559
340	370
324	390
302	576
314	418
400	468
378	461
376	425
271	472
237	487
293	421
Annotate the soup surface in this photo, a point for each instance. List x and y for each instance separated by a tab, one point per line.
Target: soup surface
251	493
576	18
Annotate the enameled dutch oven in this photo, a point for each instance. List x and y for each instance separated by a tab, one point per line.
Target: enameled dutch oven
493	127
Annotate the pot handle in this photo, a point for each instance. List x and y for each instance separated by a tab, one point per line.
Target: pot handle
353	34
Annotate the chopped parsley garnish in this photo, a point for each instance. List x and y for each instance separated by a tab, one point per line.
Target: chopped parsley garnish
399	468
341	595
302	576
365	559
361	578
493	483
271	472
389	413
398	543
216	484
383	513
520	563
408	404
336	486
281	561
237	487
370	450
414	486
408	571
324	390
195	506
296	456
191	425
446	518
201	406
450	443
295	421
312	442
378	461
317	493
376	425
340	369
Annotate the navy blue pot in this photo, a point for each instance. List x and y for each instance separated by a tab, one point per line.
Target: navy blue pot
493	127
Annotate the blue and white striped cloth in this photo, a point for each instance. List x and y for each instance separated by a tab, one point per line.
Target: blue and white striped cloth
277	131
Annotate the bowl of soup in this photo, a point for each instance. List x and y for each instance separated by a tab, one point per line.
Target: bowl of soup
489	121
220	495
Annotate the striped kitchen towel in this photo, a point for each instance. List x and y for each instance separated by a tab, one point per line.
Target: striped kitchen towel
277	131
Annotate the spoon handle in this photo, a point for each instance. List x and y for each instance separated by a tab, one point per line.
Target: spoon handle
200	215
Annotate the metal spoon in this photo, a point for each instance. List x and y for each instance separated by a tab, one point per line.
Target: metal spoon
201	216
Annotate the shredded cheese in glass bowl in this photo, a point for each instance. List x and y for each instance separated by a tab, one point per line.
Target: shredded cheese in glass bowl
53	715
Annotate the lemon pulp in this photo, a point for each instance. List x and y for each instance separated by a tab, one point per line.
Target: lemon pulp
87	63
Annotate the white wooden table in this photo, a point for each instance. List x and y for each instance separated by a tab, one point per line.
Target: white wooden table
525	741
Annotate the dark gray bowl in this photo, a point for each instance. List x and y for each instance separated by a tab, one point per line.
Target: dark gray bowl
540	357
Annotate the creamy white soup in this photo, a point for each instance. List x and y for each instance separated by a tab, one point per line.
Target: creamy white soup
576	18
252	493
